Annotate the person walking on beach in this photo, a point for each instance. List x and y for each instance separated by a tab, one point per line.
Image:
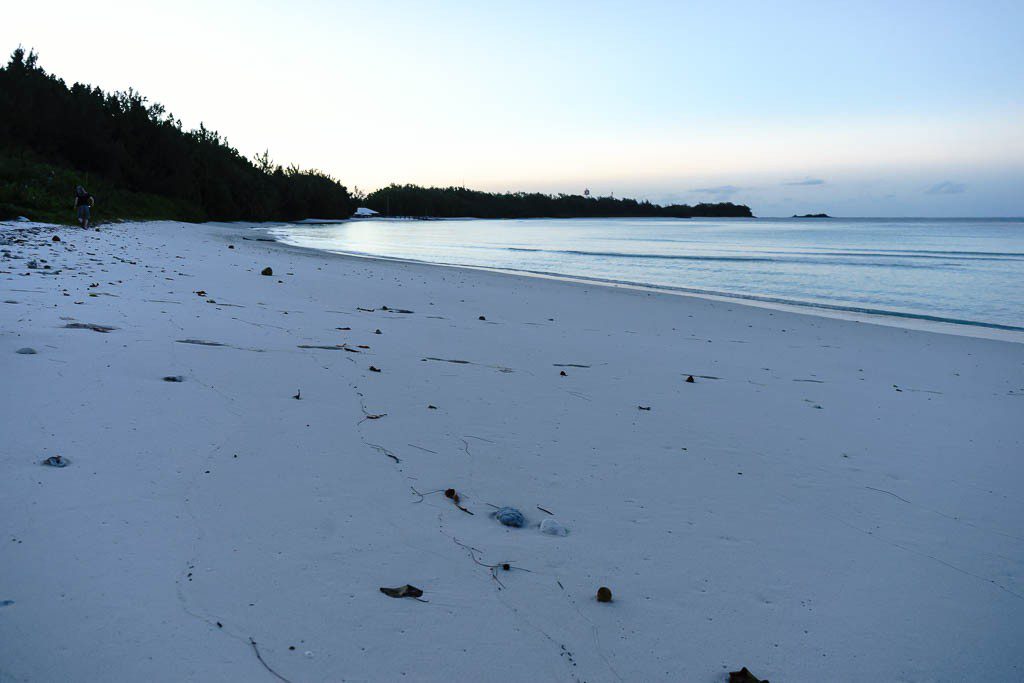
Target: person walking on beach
83	203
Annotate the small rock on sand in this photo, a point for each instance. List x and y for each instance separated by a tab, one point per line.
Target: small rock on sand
267	271
406	591
553	527
27	351
744	676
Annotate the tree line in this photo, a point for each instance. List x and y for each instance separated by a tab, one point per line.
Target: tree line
126	142
141	163
456	202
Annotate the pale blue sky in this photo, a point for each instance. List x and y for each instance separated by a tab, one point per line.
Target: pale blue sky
865	108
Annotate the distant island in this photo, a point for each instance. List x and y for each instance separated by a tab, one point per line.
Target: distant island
813	215
139	163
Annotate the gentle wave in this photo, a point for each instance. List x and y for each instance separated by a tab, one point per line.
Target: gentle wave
806	258
864	310
893	254
966	272
780	300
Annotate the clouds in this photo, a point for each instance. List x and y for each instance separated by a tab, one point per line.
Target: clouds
806	182
947	187
719	191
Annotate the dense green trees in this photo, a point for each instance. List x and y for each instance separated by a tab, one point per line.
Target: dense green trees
450	202
123	142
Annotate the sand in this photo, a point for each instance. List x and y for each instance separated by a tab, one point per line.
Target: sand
828	500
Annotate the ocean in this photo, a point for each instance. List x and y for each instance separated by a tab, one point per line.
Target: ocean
964	271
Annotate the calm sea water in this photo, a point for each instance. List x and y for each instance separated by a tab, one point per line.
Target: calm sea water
969	271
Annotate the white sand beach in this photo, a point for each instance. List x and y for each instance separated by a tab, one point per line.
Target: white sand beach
828	500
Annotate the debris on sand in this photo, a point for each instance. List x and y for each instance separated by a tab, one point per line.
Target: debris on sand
562	373
298	395
553	527
604	594
374	369
27	351
509	516
643	407
453	495
744	676
267	271
174	378
90	326
200	342
406	591
57	461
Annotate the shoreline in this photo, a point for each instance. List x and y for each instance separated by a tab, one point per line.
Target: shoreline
912	321
252	458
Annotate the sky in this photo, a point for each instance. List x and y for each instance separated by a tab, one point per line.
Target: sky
897	108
